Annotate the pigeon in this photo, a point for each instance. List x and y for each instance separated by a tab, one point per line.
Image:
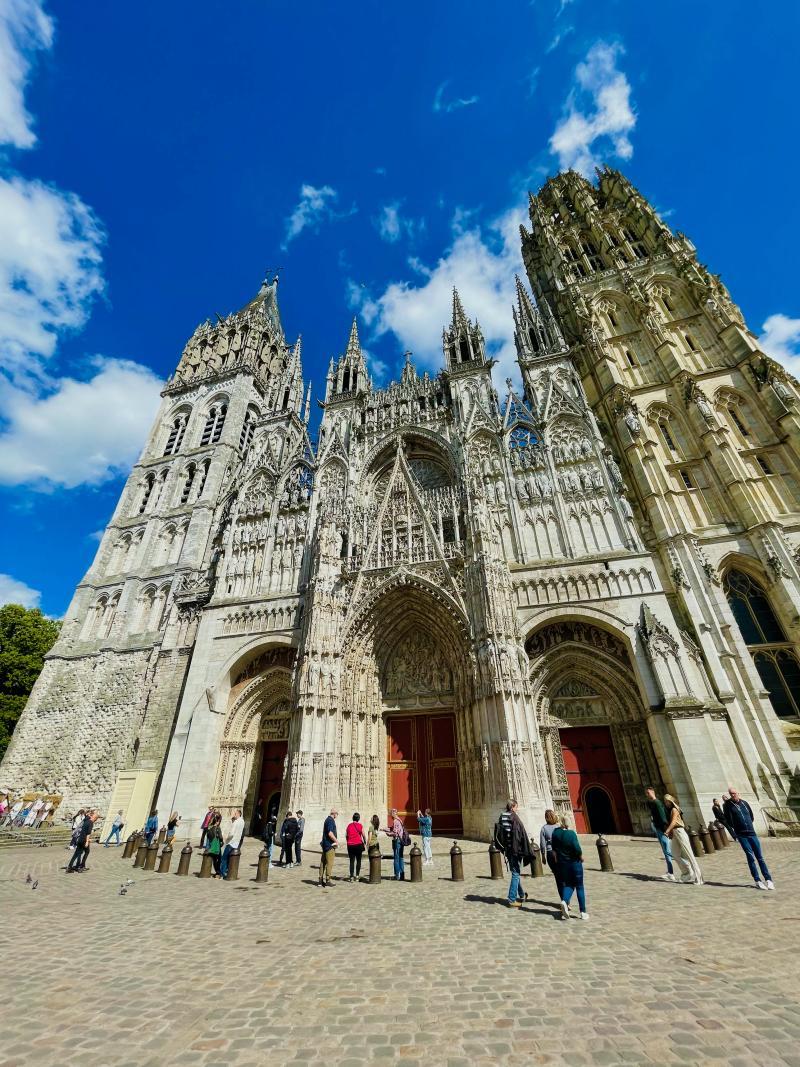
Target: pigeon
122	891
129	882
28	880
35	884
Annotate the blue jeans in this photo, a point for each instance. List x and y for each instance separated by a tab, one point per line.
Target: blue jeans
223	863
663	840
399	862
572	874
115	832
752	849
149	836
514	888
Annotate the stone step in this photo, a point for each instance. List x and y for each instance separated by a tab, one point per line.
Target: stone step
20	838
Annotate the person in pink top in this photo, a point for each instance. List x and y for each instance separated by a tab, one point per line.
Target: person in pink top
356	843
397	832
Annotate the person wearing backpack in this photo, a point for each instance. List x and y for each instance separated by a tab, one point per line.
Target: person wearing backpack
511	838
400	838
289	829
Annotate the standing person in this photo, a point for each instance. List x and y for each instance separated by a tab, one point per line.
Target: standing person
172	826
233	840
77	860
151	828
740	816
116	828
214	842
328	845
298	839
399	837
725	820
77	822
288	834
676	832
426	833
546	846
568	851
511	838
658	824
356	843
269	834
204	825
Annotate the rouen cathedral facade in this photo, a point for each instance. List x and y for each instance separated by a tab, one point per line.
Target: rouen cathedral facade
563	593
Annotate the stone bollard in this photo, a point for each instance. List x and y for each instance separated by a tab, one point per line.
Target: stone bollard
694	841
206	865
262	870
416	863
723	833
536	861
185	860
456	863
705	838
495	861
713	829
130	845
150	856
374	864
162	833
166	856
141	852
233	864
604	854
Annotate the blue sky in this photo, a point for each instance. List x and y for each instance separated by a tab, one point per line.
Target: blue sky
156	160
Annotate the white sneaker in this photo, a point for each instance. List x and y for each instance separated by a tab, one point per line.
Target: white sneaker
564	910
760	885
770	884
688	878
669	877
585	916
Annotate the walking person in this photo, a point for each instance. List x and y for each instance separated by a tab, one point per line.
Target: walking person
740	816
116	828
569	854
400	839
511	838
658	824
214	842
172	826
204	825
546	846
426	833
233	840
676	832
356	843
298	839
83	838
288	834
328	845
77	822
151	828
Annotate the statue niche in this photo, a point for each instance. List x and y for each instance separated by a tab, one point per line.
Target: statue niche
416	668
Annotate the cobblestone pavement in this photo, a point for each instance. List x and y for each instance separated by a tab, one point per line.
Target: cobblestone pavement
183	971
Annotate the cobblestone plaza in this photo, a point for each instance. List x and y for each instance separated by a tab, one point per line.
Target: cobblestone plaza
439	972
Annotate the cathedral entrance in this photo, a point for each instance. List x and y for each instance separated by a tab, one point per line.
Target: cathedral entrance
268	797
593	779
422	771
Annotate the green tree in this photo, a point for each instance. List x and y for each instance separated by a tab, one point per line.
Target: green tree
25	636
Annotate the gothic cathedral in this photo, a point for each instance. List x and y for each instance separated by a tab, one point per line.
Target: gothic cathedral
453	595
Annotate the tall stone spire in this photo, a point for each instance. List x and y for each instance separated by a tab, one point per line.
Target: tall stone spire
463	341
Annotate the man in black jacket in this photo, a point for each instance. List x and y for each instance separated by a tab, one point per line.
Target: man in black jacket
511	838
78	860
739	816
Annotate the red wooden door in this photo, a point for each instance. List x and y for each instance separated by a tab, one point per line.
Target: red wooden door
422	771
591	763
273	755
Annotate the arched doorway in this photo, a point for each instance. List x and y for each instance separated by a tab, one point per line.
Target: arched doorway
599	811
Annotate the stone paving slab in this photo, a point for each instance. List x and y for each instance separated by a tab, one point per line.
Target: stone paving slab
189	971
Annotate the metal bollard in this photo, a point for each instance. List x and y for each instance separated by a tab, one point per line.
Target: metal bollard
536	861
456	863
262	870
166	856
416	863
495	861
141	852
150	856
705	838
233	864
694	841
374	865
130	845
604	854
185	860
206	865
162	833
723	833
713	829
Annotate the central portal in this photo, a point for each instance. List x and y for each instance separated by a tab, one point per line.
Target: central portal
422	771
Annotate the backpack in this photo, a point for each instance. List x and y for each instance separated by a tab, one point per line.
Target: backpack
504	833
405	840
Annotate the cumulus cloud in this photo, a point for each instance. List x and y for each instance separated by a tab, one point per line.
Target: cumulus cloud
391	224
780	338
24	30
78	432
13	591
440	104
598	116
317	204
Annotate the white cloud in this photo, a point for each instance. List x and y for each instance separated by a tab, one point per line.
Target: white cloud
24	30
16	592
317	204
440	104
558	37
598	110
392	225
81	432
780	339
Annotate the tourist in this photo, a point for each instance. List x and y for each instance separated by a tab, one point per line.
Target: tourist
328	845
288	834
298	839
356	843
740	816
568	851
426	833
373	831
214	842
151	828
400	838
172	826
77	822
546	846
204	825
233	840
116	828
676	832
511	838
82	842
725	820
269	834
658	824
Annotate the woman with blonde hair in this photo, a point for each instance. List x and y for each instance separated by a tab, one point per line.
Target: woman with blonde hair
546	846
676	832
568	852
